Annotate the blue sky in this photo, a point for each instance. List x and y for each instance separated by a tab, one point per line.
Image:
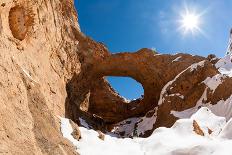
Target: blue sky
128	25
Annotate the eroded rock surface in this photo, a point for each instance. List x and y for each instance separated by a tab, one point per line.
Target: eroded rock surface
37	58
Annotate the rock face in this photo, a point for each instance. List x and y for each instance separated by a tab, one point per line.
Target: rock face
50	69
38	57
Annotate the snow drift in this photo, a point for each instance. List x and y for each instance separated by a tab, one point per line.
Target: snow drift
181	138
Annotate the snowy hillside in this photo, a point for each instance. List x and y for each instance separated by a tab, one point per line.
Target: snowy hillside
203	133
224	65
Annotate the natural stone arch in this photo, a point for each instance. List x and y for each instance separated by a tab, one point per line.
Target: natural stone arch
133	65
91	93
150	69
153	71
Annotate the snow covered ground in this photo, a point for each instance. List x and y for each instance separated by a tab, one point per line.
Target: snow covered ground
224	65
180	139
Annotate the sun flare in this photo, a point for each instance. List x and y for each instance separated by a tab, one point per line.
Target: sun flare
190	22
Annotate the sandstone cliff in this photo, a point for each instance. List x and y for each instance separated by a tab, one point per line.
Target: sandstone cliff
38	56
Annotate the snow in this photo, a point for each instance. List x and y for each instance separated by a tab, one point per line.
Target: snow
222	108
229	48
189	112
177	59
135	126
146	123
213	82
84	123
207	119
226	131
66	130
90	144
126	100
184	114
195	65
127	126
177	94
180	139
164	89
224	65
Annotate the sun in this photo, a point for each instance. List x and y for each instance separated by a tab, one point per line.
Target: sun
190	21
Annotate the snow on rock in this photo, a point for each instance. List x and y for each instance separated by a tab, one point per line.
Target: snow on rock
229	48
66	130
222	108
207	120
126	100
213	82
227	131
195	65
224	65
127	127
178	140
189	112
90	144
146	123
84	123
177	59
181	139
177	94
135	126
164	89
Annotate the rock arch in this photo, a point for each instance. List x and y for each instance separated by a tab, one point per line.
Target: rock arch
91	93
150	69
134	65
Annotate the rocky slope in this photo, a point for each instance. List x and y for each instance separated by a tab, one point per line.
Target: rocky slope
51	70
38	56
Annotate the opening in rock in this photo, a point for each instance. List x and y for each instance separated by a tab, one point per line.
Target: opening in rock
126	87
